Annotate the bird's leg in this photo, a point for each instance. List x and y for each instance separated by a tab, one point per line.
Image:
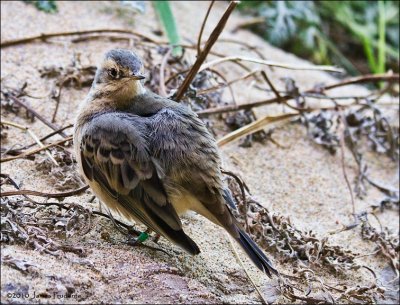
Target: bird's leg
141	238
156	238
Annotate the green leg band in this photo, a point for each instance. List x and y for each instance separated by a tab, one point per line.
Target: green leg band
142	237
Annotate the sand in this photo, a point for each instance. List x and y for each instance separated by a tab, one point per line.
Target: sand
302	181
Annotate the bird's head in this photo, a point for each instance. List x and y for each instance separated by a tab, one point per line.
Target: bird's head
120	75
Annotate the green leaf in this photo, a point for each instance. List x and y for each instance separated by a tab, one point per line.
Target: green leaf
327	31
382	38
164	12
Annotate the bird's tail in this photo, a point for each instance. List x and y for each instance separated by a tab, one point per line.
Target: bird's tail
255	253
249	246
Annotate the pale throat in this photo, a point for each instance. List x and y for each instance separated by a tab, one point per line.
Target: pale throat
122	91
131	89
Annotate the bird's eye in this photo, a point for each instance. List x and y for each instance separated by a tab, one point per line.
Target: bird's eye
113	73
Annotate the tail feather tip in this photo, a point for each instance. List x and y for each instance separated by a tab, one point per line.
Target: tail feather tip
256	254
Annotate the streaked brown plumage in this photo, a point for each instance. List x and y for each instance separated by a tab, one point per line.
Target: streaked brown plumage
152	159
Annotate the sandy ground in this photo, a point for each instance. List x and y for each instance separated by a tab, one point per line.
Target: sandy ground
302	181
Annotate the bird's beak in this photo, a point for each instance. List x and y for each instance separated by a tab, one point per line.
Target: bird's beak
137	76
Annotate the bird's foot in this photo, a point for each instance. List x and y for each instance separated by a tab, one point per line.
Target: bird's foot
156	238
138	240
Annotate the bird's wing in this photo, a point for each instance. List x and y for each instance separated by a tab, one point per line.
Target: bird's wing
185	147
182	143
114	153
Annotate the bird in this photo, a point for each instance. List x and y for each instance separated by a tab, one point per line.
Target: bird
152	159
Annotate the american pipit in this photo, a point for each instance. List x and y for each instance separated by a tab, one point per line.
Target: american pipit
152	159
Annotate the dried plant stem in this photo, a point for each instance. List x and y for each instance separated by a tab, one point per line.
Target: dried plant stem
249	105
34	137
66	206
271	85
255	49
58	98
388	77
43	37
241	65
269	63
247	23
245	269
47	136
111	37
162	90
342	145
246	106
243	193
38	115
254	127
277	94
56	132
129	228
203	54
47	195
202	27
34	151
228	83
243	106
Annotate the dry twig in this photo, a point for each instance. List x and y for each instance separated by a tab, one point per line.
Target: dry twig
270	63
47	195
38	115
35	151
33	135
43	37
203	55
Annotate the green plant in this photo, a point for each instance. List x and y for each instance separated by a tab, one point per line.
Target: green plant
348	33
164	12
367	23
296	26
48	6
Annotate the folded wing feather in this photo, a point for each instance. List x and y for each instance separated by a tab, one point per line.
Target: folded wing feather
114	153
